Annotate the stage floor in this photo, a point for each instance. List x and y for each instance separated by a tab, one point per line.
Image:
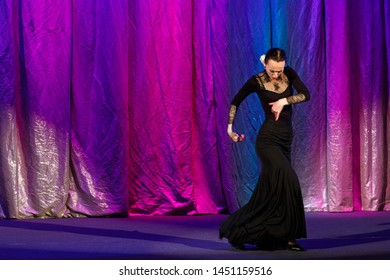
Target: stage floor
356	235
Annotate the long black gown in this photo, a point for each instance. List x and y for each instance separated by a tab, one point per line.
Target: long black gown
274	214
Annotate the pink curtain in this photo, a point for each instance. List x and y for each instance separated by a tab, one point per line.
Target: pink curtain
117	107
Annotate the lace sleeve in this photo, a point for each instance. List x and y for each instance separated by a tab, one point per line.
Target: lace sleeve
297	98
250	86
303	93
232	113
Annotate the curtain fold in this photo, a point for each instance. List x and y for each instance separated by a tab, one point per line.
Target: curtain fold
99	117
9	162
162	109
306	35
368	87
36	151
386	149
338	108
120	107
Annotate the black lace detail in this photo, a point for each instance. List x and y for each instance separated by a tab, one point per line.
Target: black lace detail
297	98
277	86
232	113
259	81
265	77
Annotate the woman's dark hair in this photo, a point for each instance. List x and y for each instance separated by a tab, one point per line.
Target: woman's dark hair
275	54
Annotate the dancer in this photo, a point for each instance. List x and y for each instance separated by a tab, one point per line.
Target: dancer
274	216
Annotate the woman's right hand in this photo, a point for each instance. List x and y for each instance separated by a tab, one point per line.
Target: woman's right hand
235	137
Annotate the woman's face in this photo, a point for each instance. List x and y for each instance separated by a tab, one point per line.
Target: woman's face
274	69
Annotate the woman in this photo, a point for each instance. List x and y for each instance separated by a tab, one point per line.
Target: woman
274	216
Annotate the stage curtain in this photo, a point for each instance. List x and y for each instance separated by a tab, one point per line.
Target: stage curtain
120	107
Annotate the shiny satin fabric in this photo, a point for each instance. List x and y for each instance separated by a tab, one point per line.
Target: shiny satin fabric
35	177
117	107
64	131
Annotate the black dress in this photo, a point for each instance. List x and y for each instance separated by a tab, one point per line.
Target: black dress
275	212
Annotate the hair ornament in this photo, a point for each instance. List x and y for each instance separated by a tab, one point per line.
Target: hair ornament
262	59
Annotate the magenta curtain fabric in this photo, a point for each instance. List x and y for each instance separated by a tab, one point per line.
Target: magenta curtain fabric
120	107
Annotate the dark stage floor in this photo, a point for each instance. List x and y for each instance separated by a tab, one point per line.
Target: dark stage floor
356	235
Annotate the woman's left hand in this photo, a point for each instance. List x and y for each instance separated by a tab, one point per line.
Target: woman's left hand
277	107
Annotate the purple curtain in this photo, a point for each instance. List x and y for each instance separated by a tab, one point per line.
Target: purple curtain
117	107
